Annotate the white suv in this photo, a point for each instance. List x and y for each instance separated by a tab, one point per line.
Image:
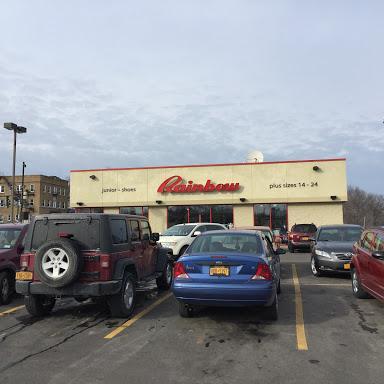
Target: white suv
180	236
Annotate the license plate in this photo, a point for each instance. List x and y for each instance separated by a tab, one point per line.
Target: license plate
347	266
305	238
24	275
219	271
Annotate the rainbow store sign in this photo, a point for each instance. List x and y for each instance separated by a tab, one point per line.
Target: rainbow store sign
175	184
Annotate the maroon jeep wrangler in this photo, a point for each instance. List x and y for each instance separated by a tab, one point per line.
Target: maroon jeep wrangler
85	255
11	238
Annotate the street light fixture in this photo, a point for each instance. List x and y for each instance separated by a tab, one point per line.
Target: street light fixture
16	129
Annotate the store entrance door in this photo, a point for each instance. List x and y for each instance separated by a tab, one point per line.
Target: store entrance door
274	216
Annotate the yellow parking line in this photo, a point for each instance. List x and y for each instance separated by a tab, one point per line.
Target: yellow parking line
133	320
14	309
300	328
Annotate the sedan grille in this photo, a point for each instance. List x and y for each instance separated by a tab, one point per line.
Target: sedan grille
344	256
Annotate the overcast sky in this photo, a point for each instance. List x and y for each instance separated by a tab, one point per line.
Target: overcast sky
108	83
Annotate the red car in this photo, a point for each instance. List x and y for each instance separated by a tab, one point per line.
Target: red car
300	237
367	265
11	237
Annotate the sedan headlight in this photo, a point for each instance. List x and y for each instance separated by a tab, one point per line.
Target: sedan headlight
322	253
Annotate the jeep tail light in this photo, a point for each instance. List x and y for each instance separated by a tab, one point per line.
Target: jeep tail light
263	272
179	271
24	260
104	261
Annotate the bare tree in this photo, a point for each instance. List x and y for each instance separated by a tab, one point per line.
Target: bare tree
363	208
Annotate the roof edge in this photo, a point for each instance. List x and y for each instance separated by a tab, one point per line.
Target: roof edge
206	165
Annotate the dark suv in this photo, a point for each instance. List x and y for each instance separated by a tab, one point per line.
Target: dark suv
90	255
11	238
300	237
367	265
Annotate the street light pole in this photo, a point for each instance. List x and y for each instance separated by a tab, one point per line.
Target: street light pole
16	129
13	177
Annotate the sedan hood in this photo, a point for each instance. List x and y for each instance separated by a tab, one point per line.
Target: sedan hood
171	239
335	246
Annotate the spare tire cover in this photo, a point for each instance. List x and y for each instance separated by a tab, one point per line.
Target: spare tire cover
58	262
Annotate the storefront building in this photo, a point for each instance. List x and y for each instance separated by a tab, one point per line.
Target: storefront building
277	194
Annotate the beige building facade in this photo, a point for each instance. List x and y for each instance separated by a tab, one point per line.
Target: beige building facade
40	194
278	194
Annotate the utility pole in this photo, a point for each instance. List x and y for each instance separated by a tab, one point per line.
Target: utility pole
22	193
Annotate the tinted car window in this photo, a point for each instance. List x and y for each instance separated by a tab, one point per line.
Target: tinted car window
119	231
367	242
304	228
214	228
8	237
146	230
179	230
85	232
135	230
379	242
224	243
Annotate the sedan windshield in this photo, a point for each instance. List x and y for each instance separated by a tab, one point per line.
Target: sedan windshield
179	230
8	237
227	243
340	234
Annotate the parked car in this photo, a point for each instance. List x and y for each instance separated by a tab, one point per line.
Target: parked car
228	268
266	231
300	237
333	248
11	238
84	255
367	265
180	236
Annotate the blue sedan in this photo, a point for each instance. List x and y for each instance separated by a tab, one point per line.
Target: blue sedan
228	268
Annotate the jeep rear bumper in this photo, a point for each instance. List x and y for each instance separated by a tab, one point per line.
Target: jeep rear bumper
78	289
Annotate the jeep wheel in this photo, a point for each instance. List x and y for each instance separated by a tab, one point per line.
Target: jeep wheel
6	287
58	262
39	305
165	280
123	304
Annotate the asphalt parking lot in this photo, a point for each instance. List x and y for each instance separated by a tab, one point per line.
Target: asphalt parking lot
323	335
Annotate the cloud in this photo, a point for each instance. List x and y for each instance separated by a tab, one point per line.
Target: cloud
187	86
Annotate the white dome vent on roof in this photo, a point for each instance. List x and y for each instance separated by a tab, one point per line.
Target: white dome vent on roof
255	157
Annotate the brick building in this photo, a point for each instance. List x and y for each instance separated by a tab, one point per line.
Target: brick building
41	194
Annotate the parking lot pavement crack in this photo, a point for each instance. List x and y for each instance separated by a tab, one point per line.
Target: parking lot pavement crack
5	336
27	357
363	322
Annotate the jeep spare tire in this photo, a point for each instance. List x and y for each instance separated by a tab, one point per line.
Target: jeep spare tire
58	262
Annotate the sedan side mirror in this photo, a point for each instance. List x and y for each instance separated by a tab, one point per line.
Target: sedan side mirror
196	233
378	255
280	251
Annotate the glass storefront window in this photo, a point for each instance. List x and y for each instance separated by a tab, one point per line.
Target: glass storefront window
141	211
274	216
222	214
